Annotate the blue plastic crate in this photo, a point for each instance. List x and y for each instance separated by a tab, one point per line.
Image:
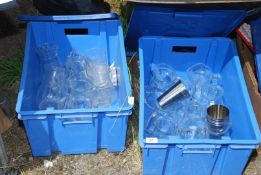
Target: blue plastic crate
180	21
74	131
256	33
173	155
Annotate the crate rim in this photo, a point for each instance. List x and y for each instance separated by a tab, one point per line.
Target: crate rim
104	16
73	111
113	108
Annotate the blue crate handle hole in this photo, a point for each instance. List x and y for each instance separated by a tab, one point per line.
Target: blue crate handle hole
76	31
184	49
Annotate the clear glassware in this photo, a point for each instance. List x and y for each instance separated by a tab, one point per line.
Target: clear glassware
79	101
194	110
48	56
151	128
188	132
97	55
99	75
209	93
163	76
193	125
77	76
160	124
52	90
213	94
98	69
103	97
84	81
193	129
53	76
197	96
179	111
114	74
199	74
216	79
165	124
163	121
51	102
76	63
151	96
79	86
47	52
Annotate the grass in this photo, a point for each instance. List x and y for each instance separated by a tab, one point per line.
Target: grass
11	69
125	14
133	122
124	9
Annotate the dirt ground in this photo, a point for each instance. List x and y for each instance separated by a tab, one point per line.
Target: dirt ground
18	150
102	163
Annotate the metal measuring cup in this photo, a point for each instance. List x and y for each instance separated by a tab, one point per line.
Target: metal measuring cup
218	119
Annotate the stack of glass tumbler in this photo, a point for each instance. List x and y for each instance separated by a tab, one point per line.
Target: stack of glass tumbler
186	117
82	82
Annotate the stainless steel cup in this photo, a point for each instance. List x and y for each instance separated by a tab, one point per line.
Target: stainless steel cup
177	91
218	119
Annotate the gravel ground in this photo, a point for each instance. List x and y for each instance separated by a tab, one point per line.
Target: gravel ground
254	166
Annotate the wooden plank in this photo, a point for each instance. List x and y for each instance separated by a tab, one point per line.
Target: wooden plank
5	123
3	155
248	66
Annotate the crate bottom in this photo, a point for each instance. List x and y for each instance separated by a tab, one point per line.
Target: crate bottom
50	135
74	152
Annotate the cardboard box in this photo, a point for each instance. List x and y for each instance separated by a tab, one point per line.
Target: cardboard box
5	123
